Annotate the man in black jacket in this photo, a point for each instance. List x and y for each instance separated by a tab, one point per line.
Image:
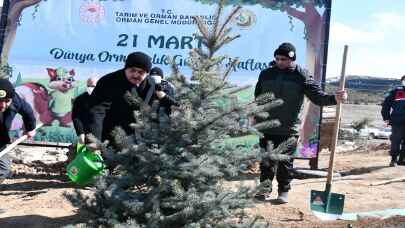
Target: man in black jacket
393	113
157	74
111	109
289	82
81	110
10	105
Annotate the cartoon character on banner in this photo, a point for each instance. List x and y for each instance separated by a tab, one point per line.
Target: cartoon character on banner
49	106
36	95
60	103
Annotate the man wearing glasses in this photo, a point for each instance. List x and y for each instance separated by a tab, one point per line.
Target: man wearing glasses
110	107
289	82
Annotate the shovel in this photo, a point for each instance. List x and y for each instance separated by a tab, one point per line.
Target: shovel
327	205
16	142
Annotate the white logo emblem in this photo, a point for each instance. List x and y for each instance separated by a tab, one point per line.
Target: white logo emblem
92	12
74	170
3	93
245	19
318	201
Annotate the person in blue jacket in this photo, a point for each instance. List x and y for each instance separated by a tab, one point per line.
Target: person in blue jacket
393	113
10	105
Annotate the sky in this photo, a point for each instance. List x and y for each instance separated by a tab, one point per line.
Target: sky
375	33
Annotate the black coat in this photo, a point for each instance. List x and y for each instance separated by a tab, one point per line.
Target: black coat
20	106
169	90
110	108
290	85
81	113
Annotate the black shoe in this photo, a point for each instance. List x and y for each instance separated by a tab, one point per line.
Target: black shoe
401	160
263	196
393	164
264	192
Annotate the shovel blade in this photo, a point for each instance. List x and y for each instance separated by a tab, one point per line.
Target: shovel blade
327	205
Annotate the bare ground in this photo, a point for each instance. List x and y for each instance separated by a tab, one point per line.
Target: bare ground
34	198
361	169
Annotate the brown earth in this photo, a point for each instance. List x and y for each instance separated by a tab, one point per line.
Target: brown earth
34	196
360	170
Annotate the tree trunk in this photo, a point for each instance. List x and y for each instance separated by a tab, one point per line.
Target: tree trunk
314	58
15	9
311	112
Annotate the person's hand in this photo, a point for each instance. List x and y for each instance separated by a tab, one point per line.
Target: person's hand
341	96
92	147
252	120
387	122
160	94
82	139
158	82
30	134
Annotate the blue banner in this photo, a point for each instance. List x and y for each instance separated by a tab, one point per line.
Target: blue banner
52	47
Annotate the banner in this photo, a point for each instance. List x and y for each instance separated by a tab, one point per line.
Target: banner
75	40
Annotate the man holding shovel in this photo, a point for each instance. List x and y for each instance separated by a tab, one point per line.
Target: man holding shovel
290	83
10	105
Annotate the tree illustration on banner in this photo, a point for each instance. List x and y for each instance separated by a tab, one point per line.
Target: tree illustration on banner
313	19
15	8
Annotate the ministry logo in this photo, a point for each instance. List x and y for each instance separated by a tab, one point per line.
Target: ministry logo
92	12
245	19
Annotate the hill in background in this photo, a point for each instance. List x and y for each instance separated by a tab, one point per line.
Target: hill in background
364	89
361	89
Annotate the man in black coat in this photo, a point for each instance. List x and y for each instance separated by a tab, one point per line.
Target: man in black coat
10	105
81	110
111	109
289	82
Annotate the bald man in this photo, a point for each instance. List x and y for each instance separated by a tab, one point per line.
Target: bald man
81	110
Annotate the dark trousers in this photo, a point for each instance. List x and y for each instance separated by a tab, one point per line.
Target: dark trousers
281	169
402	152
397	139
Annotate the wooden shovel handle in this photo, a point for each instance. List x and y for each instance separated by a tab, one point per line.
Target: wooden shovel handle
16	142
400	179
337	119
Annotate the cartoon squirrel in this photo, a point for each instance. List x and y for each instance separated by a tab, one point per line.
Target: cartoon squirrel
60	103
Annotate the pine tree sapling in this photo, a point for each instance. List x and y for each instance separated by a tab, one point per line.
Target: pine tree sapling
174	172
360	124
